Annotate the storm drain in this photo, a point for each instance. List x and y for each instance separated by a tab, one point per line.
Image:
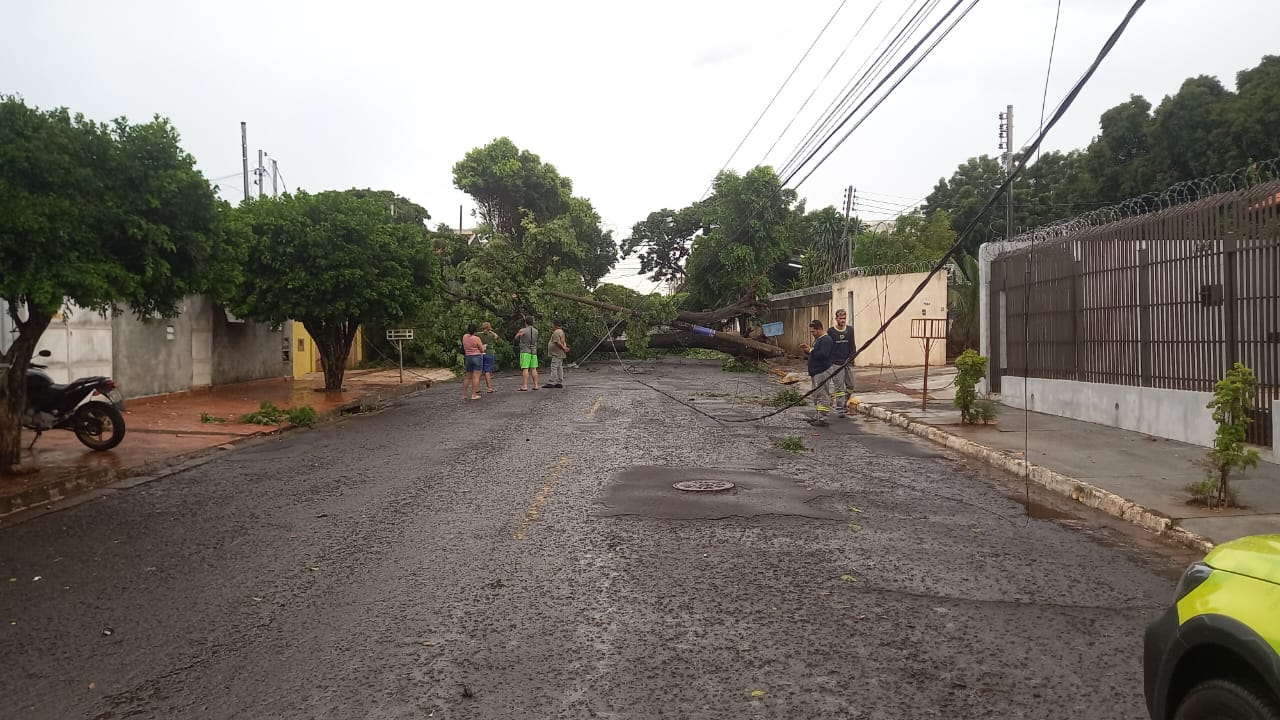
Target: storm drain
703	486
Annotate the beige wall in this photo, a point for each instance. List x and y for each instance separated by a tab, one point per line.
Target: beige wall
874	299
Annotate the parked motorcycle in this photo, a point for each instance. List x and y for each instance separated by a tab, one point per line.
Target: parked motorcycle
90	407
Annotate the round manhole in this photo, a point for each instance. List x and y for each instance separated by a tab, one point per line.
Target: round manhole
703	485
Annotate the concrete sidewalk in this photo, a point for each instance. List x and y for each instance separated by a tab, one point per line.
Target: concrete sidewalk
168	430
1140	478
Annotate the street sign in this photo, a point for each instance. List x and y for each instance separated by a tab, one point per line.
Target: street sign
400	334
772	329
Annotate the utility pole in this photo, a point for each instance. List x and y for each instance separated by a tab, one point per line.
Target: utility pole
1006	144
261	172
275	175
459	219
850	198
244	157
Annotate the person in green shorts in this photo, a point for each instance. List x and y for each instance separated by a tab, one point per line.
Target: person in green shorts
490	340
527	343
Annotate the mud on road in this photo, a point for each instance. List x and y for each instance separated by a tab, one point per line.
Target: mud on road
524	556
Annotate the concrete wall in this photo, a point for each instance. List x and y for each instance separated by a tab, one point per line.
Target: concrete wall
244	351
80	341
1174	414
153	356
871	300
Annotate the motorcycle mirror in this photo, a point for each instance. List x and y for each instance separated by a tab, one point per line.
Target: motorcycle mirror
45	353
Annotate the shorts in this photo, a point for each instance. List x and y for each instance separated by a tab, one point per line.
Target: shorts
488	363
474	363
528	361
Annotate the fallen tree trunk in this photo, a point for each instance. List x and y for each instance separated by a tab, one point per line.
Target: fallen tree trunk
731	344
724	342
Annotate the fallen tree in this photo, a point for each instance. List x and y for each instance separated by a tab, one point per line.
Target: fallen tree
730	343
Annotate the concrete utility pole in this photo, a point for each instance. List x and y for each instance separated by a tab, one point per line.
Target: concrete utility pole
275	176
261	172
244	157
1006	144
850	199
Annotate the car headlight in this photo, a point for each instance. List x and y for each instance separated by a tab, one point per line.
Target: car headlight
1197	573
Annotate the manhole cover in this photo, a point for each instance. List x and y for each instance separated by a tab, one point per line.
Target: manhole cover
703	485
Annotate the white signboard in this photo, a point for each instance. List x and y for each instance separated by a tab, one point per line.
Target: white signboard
400	334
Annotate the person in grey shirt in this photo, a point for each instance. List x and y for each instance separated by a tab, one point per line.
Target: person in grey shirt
558	349
527	342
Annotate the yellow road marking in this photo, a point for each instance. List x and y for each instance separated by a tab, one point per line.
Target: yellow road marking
592	412
535	508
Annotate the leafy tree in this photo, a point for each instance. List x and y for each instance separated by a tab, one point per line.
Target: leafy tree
915	238
1119	158
508	183
963	195
823	242
664	240
752	234
1185	132
1252	124
100	215
333	261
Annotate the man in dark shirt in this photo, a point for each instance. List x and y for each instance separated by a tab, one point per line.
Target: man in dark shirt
819	372
842	370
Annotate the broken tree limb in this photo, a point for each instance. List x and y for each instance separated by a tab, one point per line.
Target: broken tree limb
730	343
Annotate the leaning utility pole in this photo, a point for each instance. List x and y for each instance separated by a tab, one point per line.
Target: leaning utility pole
244	157
850	198
1006	144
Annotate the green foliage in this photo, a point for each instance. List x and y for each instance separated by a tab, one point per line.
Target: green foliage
824	238
267	414
791	443
752	233
334	261
1233	399
971	367
784	397
1202	130
984	411
914	238
664	240
304	416
964	304
736	364
207	418
106	216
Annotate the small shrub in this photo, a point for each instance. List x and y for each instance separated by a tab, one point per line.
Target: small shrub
970	368
1233	398
740	365
304	416
207	418
791	443
785	397
984	411
267	414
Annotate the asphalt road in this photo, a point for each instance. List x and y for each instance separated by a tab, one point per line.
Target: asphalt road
524	556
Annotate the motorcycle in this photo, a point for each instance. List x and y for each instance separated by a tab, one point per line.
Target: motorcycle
90	407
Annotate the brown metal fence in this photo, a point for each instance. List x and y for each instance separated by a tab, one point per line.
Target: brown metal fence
1169	298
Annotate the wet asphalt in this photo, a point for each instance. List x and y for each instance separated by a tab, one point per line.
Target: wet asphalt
523	556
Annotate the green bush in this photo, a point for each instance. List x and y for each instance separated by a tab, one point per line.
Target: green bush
984	411
1233	399
267	414
970	367
304	416
791	443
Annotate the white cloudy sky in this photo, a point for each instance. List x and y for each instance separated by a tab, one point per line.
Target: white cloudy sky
639	103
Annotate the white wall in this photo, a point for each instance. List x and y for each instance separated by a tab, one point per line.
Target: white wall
79	341
875	298
1174	414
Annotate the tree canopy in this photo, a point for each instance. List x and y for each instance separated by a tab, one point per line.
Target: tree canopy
103	215
334	261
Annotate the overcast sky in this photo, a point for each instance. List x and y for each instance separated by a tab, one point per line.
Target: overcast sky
639	103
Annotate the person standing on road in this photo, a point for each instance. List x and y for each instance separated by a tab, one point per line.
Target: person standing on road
473	357
558	349
841	367
490	340
527	343
819	372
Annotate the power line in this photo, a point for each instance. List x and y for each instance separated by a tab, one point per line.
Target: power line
825	75
887	93
1053	44
775	95
862	76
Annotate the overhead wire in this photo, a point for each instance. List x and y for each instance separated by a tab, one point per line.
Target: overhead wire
885	96
776	94
863	75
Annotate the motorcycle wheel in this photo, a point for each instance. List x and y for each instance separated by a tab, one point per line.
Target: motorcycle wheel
98	425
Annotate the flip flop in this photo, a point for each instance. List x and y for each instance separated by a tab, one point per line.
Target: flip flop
522	389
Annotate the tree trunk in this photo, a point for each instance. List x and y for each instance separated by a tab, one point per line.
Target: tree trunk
333	338
731	344
746	306
13	383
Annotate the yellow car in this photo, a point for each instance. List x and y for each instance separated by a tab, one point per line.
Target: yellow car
1215	653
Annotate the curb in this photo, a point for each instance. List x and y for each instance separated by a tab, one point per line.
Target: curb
1051	480
30	502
